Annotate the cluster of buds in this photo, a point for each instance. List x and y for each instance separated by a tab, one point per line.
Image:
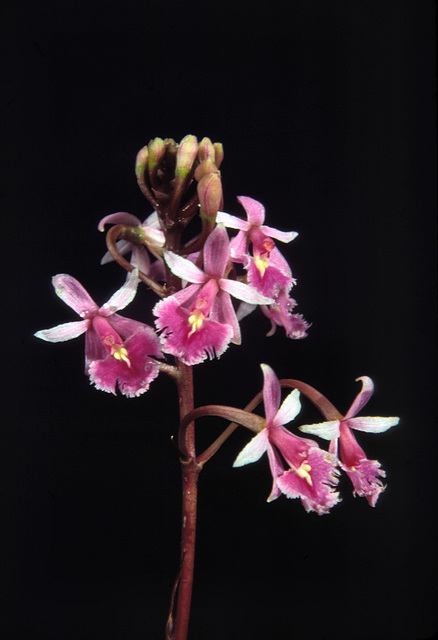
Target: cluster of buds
196	278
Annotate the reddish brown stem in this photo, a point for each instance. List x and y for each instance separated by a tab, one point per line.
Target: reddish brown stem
190	472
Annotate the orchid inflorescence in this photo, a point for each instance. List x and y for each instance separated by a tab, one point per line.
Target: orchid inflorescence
196	280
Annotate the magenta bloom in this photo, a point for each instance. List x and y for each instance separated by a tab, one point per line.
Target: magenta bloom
153	237
268	271
364	474
311	472
117	349
200	320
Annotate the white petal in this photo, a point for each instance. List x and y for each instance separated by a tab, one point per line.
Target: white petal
244	310
184	268
327	430
372	425
283	236
232	222
253	450
290	408
121	298
243	292
63	332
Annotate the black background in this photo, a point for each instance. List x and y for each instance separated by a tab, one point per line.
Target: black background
326	113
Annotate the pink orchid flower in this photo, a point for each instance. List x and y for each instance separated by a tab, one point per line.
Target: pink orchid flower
153	237
311	473
268	271
200	320
117	349
364	474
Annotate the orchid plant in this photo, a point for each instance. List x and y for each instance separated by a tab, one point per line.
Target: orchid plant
196	277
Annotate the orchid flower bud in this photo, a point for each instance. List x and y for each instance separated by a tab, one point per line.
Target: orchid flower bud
206	150
186	155
210	194
141	161
156	152
219	153
207	166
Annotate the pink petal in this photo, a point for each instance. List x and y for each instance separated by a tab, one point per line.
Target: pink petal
289	409
73	293
362	397
316	493
350	450
63	332
372	425
127	327
94	349
119	218
270	283
239	248
223	312
255	211
184	298
365	477
254	450
121	298
243	292
132	380
184	268
277	260
291	447
277	470
211	339
271	393
216	252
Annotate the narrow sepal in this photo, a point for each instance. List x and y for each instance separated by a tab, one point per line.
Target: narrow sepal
243	292
63	332
121	298
184	268
372	424
362	397
271	393
326	430
254	450
74	295
289	408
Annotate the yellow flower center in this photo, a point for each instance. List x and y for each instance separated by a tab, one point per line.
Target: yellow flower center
118	351
262	262
196	319
303	472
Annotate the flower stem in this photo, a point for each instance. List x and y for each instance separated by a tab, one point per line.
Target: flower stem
190	472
